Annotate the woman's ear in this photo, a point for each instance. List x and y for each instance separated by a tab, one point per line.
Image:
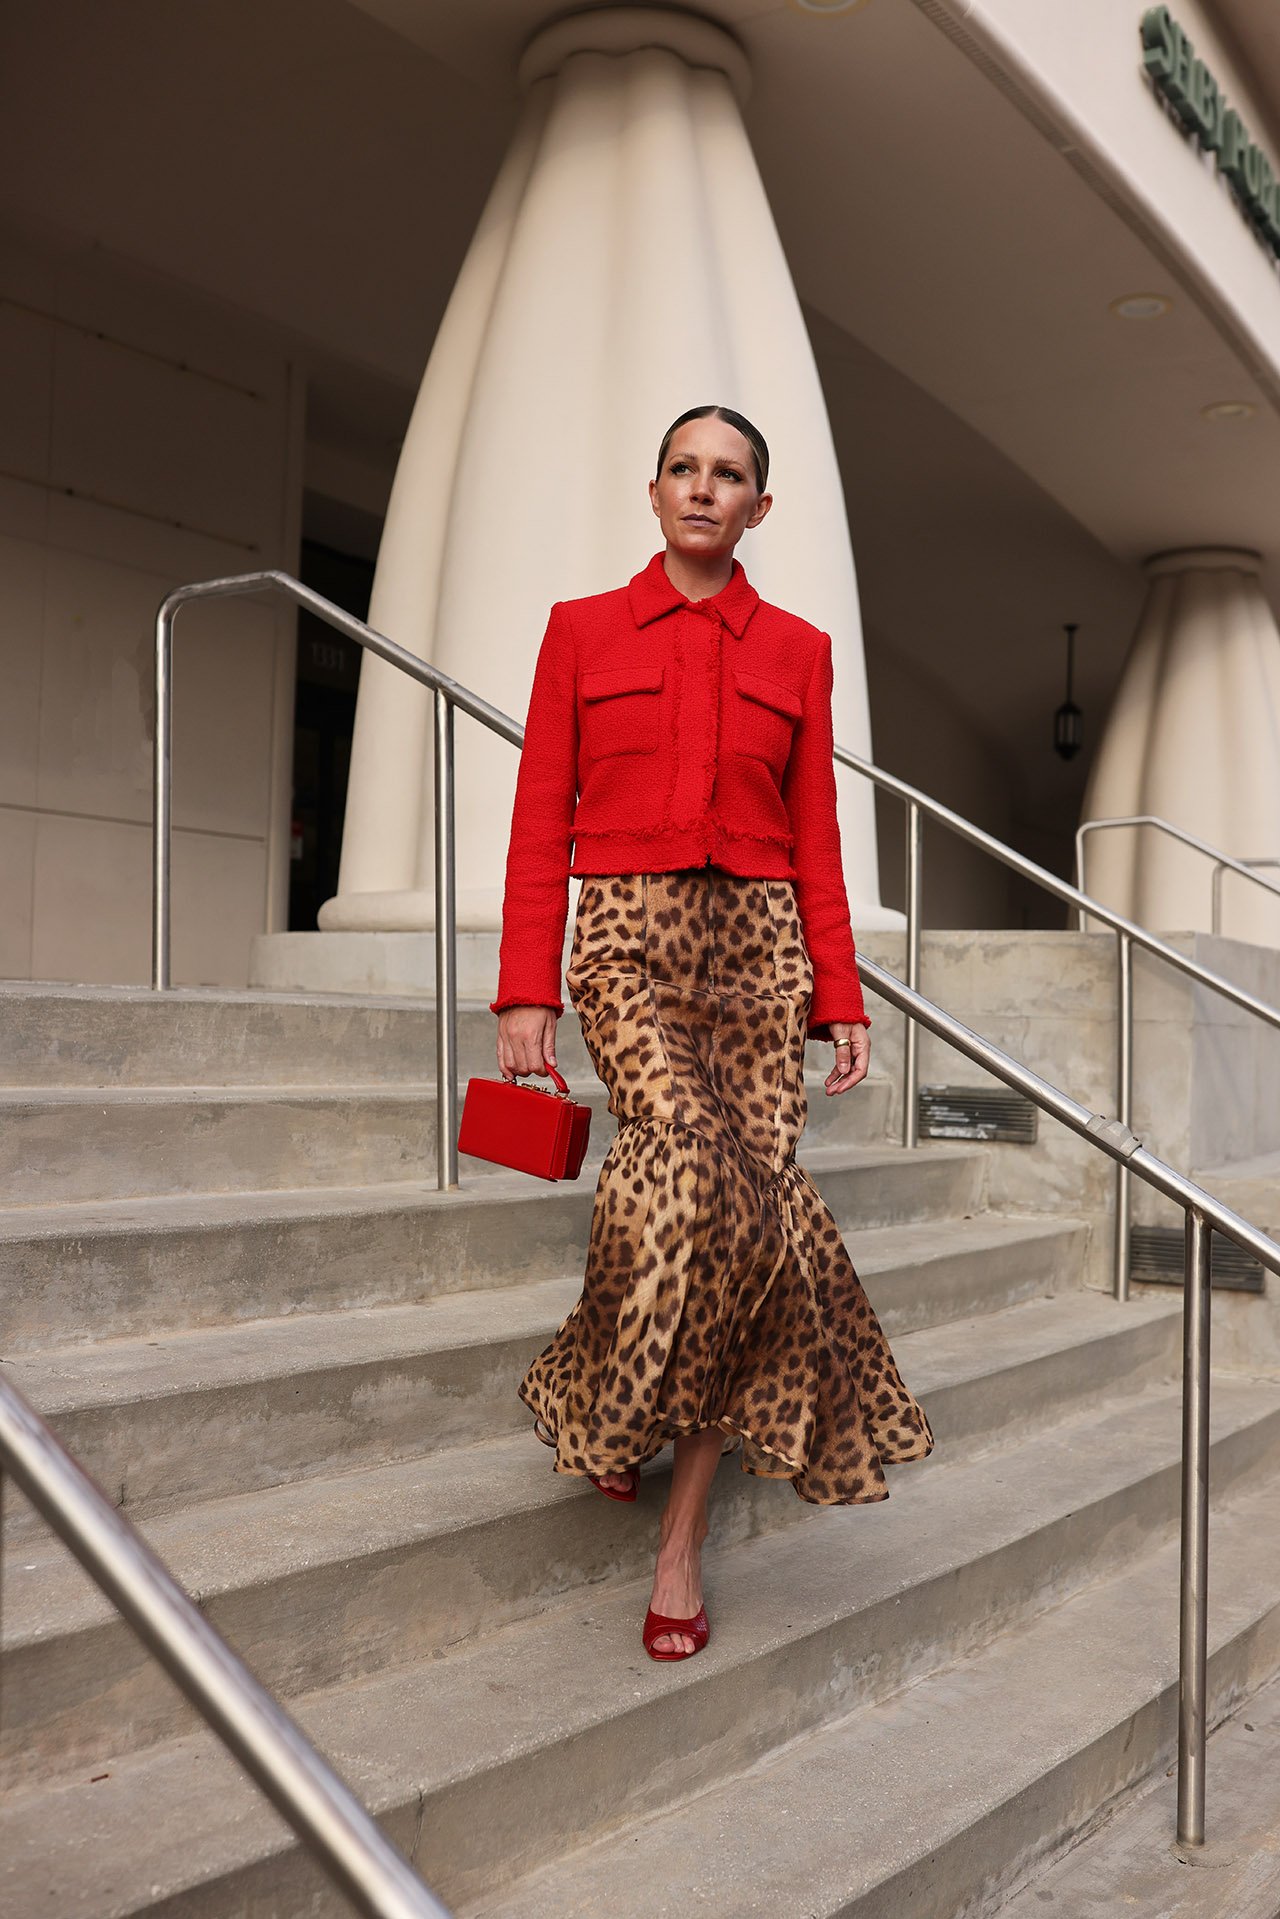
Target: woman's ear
653	495
760	508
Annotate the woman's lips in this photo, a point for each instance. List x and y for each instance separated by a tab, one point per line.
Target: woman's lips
698	519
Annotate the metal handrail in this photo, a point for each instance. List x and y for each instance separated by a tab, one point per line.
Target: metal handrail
1129	934
1203	1213
1223	862
1220	867
322	1809
448	695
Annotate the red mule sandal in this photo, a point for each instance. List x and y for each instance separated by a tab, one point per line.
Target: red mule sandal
543	1432
698	1629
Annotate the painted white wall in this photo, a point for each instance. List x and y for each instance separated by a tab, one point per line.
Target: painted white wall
145	440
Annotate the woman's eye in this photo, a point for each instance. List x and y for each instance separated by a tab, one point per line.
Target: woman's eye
682	466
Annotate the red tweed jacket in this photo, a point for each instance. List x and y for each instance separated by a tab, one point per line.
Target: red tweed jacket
665	732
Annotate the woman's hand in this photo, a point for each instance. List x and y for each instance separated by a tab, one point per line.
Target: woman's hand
526	1040
851	1065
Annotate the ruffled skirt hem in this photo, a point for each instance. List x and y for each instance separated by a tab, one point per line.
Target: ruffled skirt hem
757	1460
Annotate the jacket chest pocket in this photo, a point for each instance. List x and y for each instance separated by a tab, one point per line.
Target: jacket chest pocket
765	717
620	710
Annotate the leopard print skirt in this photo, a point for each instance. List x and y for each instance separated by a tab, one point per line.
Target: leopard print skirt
718	1291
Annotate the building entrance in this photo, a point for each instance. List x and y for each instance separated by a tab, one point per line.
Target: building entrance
323	719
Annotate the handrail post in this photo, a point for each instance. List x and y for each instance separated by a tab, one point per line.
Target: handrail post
446	952
162	782
1224	861
1124	1108
911	1036
1193	1635
1082	918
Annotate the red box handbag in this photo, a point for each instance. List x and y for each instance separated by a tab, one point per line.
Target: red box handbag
526	1127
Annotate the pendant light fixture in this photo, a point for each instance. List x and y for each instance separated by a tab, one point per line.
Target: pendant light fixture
1068	721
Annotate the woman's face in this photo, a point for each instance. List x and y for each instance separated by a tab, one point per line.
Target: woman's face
706	495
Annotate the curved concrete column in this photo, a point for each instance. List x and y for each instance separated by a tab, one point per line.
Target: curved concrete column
1193	736
626	267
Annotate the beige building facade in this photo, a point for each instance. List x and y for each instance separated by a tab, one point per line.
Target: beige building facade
1012	329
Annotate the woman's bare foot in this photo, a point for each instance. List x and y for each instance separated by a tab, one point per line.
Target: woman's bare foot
677	1587
677	1576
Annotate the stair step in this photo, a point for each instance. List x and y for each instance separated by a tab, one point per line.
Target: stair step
949	1269
934	1801
116	1268
1132	1863
56	1035
101	1036
364	1546
514	1746
186	1416
71	1145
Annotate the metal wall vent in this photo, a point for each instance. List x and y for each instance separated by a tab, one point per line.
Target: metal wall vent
977	1112
1157	1253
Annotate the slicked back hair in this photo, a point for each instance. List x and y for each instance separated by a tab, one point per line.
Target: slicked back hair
751	434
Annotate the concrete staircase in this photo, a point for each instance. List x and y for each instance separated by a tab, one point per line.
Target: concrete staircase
227	1279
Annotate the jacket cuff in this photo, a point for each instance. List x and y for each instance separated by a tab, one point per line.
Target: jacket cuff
821	1028
837	995
526	999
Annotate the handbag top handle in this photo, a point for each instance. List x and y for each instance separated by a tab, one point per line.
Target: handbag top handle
562	1085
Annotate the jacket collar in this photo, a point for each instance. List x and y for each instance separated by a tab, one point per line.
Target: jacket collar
652	594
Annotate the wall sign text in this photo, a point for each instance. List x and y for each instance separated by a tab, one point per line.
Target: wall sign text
1201	107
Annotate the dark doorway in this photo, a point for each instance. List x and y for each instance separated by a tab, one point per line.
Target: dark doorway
323	722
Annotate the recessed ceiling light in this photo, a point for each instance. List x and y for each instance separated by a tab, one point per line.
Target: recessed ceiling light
1141	306
1229	410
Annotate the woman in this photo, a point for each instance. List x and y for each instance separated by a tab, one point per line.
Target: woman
679	740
